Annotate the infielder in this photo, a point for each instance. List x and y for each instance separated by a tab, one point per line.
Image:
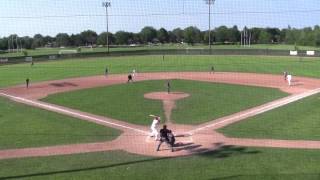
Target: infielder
153	127
285	74
134	72
27	82
212	70
289	77
106	72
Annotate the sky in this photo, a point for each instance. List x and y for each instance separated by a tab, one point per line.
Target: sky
50	17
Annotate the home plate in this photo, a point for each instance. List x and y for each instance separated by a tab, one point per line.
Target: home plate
150	139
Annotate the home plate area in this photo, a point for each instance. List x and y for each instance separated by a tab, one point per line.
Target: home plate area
180	139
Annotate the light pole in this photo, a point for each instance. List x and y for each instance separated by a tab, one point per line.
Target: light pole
209	2
106	5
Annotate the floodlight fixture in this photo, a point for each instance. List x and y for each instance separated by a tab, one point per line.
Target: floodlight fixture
106	5
210	2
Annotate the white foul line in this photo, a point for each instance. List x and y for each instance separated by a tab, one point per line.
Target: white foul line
262	109
67	112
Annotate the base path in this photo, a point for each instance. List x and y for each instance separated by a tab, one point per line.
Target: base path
134	138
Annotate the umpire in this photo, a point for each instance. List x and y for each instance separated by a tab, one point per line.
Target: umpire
164	132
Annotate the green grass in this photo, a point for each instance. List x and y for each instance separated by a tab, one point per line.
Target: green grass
23	126
299	120
16	74
227	163
51	51
126	101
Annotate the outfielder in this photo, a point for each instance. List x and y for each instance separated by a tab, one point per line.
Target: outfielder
153	127
168	86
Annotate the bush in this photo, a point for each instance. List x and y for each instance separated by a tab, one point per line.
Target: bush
25	53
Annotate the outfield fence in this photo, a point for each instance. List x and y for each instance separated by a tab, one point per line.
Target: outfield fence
199	51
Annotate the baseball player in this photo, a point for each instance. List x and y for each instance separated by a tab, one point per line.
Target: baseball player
289	78
212	69
27	82
153	127
130	78
166	136
285	74
134	72
168	87
106	71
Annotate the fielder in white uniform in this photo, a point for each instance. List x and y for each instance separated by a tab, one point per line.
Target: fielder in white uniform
289	77
153	127
133	72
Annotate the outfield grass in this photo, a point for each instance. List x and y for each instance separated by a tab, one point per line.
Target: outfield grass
298	120
16	74
23	126
227	163
126	101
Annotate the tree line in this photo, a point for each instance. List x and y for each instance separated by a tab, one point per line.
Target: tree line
309	36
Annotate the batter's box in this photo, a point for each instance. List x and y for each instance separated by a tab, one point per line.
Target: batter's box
184	138
181	138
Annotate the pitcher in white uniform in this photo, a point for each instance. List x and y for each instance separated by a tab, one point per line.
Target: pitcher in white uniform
153	127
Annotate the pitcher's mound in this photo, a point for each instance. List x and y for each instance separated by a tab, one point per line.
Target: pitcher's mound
166	96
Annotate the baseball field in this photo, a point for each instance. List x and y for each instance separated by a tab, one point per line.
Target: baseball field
242	121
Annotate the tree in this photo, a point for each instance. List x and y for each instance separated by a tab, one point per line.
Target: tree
136	38
191	35
178	33
234	34
102	38
264	37
62	39
317	36
88	37
163	35
3	43
255	34
206	36
48	40
222	34
306	37
75	40
274	34
26	42
38	41
122	37
292	36
148	34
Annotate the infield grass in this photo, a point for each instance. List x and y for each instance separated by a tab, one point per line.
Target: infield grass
126	102
299	120
61	69
23	126
227	163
